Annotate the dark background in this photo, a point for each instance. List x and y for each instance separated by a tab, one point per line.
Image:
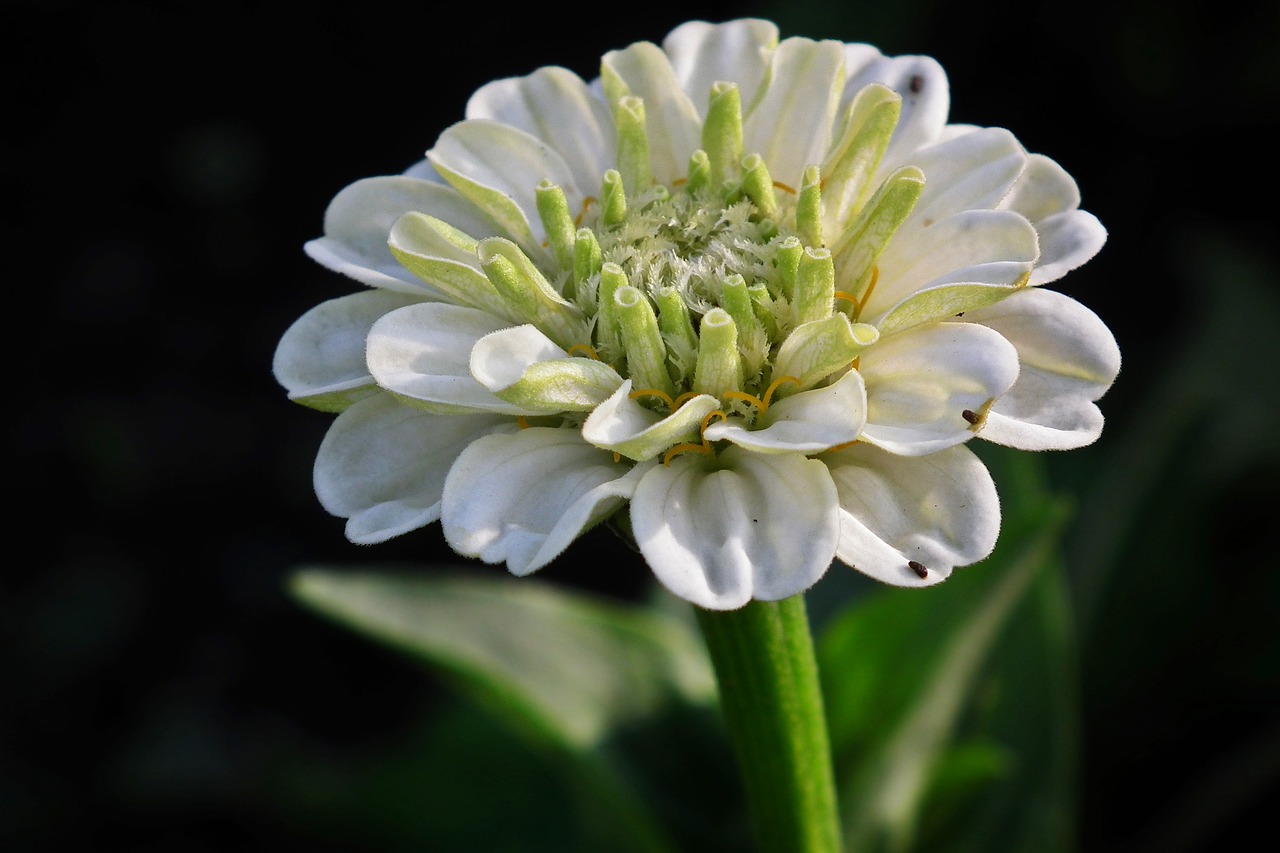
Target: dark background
163	168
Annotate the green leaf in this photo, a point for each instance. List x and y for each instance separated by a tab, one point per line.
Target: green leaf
564	666
571	674
916	680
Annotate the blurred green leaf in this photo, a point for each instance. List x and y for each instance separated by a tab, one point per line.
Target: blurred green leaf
569	672
929	695
567	667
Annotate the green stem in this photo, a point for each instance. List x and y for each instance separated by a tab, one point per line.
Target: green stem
772	706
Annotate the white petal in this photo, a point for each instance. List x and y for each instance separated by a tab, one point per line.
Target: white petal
791	123
671	119
922	83
735	51
623	425
498	168
320	358
978	246
501	359
807	422
1068	357
359	218
424	352
939	511
382	465
1043	189
972	171
556	106
1067	240
521	498
921	381
721	532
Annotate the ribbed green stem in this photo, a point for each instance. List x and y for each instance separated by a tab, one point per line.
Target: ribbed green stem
772	706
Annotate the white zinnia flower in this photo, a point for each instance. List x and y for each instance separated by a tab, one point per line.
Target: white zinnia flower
760	290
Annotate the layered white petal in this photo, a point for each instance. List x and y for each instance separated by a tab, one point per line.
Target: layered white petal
938	511
922	83
674	127
971	171
423	352
624	426
737	51
1043	189
522	498
972	246
320	358
556	106
791	122
1069	359
745	525
807	422
358	219
497	168
1048	196
526	368
921	381
382	465
1067	241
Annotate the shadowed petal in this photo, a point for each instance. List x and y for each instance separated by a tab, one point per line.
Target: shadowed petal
938	511
721	532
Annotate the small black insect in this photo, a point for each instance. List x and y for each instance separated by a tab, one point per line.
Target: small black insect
920	570
970	415
915	84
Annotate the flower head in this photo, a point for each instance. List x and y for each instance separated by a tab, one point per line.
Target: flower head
755	294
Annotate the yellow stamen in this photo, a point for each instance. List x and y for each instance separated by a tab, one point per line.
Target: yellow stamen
786	189
586	204
654	392
685	448
871	285
856	362
684	398
617	457
837	448
679	182
520	419
706	422
1022	280
773	386
746	398
704	447
590	352
847	297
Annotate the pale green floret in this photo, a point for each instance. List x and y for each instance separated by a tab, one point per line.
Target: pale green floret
815	285
722	133
677	333
613	198
735	299
562	385
816	350
525	289
608	333
809	208
787	259
586	256
719	368
757	185
861	245
557	221
633	144
868	124
646	354
699	173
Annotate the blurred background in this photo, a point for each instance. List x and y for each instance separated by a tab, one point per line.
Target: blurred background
164	165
